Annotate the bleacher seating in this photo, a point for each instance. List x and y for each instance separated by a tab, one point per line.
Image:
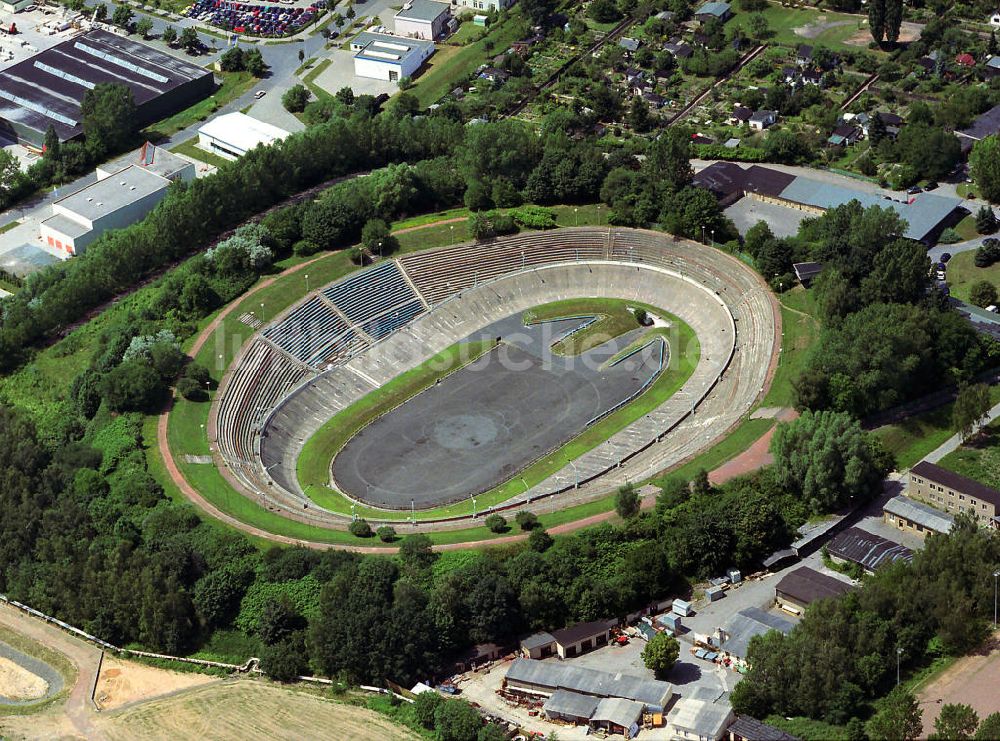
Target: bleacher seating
370	293
441	273
262	376
307	329
389	322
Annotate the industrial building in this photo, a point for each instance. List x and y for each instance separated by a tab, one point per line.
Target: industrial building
745	728
153	159
734	637
800	588
953	492
385	57
916	517
232	135
48	89
568	642
926	214
866	549
699	720
547	677
112	203
423	19
611	714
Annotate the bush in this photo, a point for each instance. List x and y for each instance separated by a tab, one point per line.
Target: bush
386	533
534	217
627	501
490	224
949	236
986	220
295	99
539	540
496	523
642	317
361	529
983	293
424	708
191	390
526	520
305	248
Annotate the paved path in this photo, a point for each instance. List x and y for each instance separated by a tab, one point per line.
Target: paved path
85	658
953	442
753	458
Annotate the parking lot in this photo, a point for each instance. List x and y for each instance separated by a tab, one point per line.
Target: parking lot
37	30
784	222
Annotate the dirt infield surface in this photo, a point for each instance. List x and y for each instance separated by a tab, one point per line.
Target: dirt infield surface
972	680
247	709
17	683
482	424
123	682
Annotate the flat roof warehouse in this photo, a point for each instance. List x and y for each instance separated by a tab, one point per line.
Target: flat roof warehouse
48	89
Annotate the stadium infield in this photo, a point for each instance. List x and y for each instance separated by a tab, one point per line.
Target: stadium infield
482	424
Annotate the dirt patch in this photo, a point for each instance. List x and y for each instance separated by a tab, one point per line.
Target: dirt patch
972	680
814	30
17	683
907	32
248	709
122	682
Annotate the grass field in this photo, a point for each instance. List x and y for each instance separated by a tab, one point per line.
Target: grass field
319	450
826	29
234	84
249	709
978	460
910	440
613	320
963	274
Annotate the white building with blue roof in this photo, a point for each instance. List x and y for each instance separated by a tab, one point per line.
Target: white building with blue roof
382	56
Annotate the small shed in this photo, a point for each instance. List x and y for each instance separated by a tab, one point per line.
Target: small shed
670	621
734	576
682	608
714	594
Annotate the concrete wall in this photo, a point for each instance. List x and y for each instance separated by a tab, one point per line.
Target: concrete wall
904	525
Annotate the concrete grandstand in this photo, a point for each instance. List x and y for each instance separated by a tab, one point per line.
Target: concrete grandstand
345	340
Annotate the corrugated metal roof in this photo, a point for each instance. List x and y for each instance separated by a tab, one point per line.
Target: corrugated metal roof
805	585
751	729
537	640
572	704
582	631
703	719
920	513
554	676
619	711
871	551
746	624
714	8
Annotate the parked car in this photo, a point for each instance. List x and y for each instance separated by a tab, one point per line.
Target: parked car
992	309
941	275
931	185
260	94
914	190
945	257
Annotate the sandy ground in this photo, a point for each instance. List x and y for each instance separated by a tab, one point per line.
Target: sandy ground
247	709
815	29
123	682
907	32
17	683
972	680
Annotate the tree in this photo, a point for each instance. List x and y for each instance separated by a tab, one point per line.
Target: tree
143	26
639	117
983	293
278	619
360	528
930	150
424	708
302	56
496	523
759	27
286	660
828	460
971	408
345	95
537	11
10	173
989	729
986	220
386	533
132	386
295	99
604	11
660	654
109	118
122	17
169	35
101	12
188	39
377	238
526	520
254	62
668	159
893	20
984	167
457	720
956	722
627	501
876	19
539	540
898	719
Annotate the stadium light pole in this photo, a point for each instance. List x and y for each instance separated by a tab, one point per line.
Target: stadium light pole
899	654
307	282
262	311
576	473
354	517
380	250
576	214
996	576
413	514
527	489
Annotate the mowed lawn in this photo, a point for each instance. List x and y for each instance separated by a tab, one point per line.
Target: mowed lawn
963	274
825	29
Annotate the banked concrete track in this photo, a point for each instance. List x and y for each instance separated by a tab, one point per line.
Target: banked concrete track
269	409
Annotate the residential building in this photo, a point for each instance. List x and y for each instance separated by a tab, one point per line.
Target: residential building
629	44
48	88
741	115
714	10
547	677
910	515
800	588
954	493
845	135
423	19
985	124
111	203
232	135
866	549
486	5
804	55
992	67
761	120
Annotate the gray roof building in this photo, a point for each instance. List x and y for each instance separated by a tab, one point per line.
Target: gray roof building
867	549
746	624
804	586
548	676
922	514
570	705
745	728
48	89
617	710
984	125
423	10
699	719
111	194
151	158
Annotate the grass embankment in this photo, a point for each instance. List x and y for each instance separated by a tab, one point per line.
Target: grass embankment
309	80
613	320
684	355
978	460
234	84
56	660
191	149
831	30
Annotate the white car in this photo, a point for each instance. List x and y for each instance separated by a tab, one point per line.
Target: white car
992	309
260	94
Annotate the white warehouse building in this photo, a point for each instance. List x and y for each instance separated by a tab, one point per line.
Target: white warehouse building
232	135
111	203
385	57
423	19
